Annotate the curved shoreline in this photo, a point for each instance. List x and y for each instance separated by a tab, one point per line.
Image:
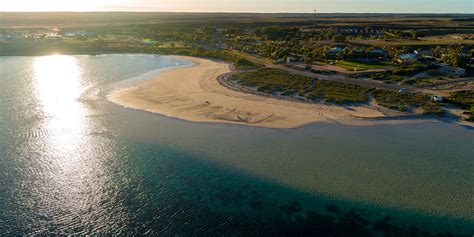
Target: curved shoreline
198	94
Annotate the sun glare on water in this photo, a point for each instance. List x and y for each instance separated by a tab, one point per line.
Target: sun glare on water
58	88
68	183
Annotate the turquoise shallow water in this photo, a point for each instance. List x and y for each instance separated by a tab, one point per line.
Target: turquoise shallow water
73	163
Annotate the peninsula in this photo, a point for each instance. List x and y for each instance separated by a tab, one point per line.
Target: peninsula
195	94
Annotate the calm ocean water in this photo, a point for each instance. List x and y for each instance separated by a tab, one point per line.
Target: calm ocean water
73	163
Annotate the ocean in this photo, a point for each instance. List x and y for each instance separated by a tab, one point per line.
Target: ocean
72	162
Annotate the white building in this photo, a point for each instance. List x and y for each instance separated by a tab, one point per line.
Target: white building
452	71
290	60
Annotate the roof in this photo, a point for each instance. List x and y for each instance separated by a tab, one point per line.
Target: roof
336	49
408	56
425	52
377	51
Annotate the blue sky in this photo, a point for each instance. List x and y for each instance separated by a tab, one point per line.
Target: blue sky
364	6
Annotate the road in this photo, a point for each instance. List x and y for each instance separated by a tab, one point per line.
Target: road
339	78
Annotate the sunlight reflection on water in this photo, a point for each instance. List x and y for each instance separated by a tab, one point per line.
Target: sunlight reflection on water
58	87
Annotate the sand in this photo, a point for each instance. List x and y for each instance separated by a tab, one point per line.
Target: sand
195	94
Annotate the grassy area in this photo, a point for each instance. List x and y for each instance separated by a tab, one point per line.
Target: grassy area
361	66
277	81
274	81
405	101
410	70
194	52
339	93
386	77
422	82
244	64
172	44
464	99
249	57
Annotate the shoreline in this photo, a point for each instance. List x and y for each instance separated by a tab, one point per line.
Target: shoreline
204	97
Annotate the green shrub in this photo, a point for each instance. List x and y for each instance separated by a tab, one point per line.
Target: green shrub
404	101
244	64
338	92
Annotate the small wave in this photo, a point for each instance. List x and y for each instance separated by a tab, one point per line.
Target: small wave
36	133
144	76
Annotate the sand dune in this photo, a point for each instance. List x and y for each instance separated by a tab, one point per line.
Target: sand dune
194	94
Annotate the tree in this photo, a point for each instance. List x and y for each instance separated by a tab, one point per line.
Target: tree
452	56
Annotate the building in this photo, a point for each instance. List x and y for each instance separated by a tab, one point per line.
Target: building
290	60
378	54
408	58
452	71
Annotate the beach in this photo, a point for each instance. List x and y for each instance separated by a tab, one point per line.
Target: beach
194	94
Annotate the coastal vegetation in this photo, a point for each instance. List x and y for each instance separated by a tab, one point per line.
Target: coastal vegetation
410	70
464	99
339	93
361	66
274	81
281	82
193	51
406	101
245	64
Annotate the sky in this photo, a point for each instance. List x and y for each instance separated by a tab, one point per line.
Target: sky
280	6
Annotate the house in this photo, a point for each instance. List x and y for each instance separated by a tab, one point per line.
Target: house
290	59
378	53
335	50
452	71
408	58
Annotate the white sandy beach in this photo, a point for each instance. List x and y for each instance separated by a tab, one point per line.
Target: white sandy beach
194	94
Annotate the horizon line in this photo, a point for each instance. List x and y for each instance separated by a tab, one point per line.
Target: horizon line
238	12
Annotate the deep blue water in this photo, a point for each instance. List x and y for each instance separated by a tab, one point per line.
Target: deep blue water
73	163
